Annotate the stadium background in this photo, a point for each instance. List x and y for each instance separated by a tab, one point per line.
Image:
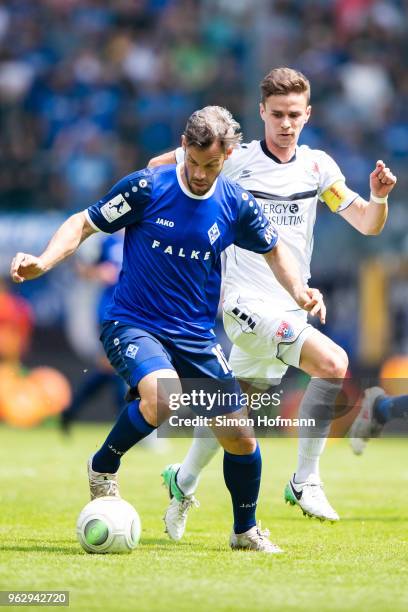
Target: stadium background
90	90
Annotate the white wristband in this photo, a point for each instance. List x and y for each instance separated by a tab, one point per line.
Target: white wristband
378	200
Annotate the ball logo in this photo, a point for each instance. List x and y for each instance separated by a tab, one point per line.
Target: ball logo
285	331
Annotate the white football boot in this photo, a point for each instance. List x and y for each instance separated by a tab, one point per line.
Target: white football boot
365	425
175	518
102	484
254	539
310	497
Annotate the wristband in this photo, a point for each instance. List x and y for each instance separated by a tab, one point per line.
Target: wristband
378	200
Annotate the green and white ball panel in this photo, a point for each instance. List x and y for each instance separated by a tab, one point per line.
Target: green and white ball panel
108	525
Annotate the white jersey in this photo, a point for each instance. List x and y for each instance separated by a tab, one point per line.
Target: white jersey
288	194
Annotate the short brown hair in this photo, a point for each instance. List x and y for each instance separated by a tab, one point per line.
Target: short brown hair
283	81
210	124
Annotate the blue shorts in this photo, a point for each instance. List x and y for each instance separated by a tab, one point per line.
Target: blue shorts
134	352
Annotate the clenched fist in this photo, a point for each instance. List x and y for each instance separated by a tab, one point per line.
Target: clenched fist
26	267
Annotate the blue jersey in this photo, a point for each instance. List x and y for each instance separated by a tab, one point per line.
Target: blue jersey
171	274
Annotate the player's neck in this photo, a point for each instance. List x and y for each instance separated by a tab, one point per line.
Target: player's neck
284	154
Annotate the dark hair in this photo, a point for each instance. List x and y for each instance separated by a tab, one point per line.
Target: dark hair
211	124
283	81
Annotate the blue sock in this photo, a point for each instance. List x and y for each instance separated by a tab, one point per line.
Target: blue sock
129	429
387	408
242	475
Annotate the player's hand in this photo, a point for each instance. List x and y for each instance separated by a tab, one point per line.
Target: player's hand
26	267
382	180
312	301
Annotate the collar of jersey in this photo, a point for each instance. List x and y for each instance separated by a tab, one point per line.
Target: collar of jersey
187	191
272	156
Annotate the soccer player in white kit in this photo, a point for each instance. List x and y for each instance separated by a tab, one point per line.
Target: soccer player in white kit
268	330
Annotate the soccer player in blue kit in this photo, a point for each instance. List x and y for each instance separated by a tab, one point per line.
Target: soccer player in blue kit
159	324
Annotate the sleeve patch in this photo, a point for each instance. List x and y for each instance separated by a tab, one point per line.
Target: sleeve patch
115	208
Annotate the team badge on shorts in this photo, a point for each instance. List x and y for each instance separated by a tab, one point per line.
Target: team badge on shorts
285	331
131	351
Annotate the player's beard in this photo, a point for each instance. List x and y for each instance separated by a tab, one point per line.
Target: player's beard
194	190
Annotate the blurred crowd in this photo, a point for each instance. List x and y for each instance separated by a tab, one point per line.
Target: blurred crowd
90	89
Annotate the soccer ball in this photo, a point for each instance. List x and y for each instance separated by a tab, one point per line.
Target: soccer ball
108	525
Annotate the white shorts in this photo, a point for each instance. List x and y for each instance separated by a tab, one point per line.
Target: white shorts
265	341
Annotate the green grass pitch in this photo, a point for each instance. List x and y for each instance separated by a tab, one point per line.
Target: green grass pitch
359	564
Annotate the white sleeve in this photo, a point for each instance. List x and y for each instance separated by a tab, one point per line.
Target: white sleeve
329	172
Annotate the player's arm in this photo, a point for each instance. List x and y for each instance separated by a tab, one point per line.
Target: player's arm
285	268
64	243
368	217
162	160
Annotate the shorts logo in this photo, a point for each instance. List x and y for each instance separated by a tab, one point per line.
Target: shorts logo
285	331
115	208
213	233
131	351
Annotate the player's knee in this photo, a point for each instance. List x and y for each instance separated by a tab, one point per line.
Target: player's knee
240	446
335	364
155	409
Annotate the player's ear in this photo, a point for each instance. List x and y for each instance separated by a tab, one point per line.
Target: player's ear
183	142
228	151
262	110
308	113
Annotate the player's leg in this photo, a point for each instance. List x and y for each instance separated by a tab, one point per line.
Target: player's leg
242	458
136	421
269	336
182	479
377	409
205	445
326	363
143	363
242	467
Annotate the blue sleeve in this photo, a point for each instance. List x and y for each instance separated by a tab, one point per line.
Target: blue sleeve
254	231
124	204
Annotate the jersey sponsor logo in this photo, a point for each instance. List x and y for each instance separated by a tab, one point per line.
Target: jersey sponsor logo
165	222
283	213
214	233
131	351
170	249
285	331
115	208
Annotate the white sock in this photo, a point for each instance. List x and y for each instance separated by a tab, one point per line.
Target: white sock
318	402
205	445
